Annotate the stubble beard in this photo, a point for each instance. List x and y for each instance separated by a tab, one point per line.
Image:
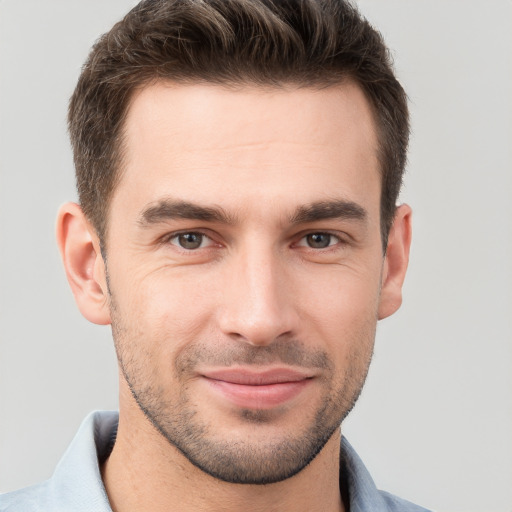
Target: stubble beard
241	461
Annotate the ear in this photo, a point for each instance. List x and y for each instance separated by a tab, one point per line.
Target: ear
395	262
85	269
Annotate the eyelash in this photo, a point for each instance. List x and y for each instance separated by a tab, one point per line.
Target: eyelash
331	246
339	241
171	236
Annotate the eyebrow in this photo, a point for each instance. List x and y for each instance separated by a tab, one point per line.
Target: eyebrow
169	209
335	209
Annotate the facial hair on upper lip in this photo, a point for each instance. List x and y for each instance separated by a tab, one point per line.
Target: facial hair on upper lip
290	353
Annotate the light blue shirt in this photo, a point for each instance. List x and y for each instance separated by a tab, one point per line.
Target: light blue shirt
76	484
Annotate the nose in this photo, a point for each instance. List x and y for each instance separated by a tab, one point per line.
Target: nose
258	299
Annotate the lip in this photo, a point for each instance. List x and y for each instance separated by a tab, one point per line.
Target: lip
253	389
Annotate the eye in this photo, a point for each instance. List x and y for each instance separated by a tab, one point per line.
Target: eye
190	240
319	240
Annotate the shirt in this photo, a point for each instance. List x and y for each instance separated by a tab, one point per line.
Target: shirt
76	485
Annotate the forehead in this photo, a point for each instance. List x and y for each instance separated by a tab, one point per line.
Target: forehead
219	115
270	144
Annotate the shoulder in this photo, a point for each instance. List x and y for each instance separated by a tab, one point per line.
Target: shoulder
76	484
363	494
30	499
396	504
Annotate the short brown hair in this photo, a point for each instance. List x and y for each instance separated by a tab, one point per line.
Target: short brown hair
309	43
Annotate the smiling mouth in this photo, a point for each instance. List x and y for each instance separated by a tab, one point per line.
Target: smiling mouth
262	390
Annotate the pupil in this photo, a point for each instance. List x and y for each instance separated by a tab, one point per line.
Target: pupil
190	240
319	240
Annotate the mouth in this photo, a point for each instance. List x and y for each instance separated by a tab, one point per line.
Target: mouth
253	389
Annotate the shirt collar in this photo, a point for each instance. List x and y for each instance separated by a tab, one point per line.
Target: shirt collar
77	484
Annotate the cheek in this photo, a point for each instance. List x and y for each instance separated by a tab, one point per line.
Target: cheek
165	310
342	310
343	294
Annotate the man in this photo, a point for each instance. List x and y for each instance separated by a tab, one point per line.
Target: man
238	166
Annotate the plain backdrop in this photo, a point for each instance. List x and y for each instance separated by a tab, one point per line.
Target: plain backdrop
434	423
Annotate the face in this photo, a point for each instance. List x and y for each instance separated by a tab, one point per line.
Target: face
244	266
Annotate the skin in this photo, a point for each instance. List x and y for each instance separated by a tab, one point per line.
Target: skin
254	289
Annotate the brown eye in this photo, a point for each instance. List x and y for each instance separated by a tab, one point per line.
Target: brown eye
189	241
319	240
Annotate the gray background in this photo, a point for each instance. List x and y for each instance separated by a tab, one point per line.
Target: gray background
434	423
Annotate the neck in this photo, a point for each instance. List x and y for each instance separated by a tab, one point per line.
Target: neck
146	473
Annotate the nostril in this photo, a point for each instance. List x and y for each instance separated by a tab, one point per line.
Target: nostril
255	329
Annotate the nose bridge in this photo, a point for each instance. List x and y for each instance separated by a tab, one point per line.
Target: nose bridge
257	303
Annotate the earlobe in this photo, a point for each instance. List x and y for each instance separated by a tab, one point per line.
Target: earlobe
83	262
395	262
